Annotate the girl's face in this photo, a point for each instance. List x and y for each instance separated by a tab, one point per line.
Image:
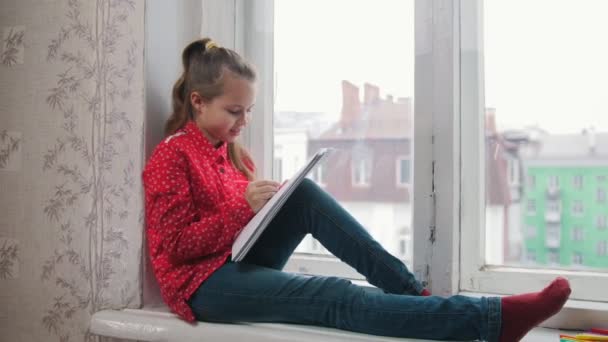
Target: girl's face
223	118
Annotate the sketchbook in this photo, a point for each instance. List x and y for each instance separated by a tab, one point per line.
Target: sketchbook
254	229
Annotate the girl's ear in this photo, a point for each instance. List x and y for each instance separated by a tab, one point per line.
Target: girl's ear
197	102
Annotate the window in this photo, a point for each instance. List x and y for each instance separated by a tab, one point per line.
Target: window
553	207
531	182
577	208
318	175
553	235
531	231
531	255
577	234
578	182
497	61
404	240
577	258
531	207
357	101
403	171
601	222
455	53
361	172
553	257
553	182
601	195
602	248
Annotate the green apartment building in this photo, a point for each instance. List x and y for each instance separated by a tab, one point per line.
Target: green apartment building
565	201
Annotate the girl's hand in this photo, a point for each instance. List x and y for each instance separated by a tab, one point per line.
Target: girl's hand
259	192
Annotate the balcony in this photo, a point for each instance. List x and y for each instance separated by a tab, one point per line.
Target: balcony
553	216
553	241
553	192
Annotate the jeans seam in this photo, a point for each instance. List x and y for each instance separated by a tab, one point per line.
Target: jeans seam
376	256
328	301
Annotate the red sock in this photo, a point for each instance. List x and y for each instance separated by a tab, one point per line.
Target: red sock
425	293
523	312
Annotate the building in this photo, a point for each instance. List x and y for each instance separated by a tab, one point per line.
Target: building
565	219
370	172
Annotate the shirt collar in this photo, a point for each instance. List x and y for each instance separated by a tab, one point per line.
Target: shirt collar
201	142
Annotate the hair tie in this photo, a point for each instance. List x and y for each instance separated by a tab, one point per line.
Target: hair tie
210	45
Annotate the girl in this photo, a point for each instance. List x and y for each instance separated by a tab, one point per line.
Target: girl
200	190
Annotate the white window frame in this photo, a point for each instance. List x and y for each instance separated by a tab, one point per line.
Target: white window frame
257	46
446	159
398	168
476	276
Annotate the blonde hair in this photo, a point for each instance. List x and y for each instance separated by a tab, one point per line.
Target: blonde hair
204	65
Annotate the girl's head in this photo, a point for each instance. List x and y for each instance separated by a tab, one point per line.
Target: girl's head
217	91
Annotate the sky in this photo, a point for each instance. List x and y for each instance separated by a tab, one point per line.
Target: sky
546	62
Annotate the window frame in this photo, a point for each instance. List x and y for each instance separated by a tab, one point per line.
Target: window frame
445	258
476	276
257	46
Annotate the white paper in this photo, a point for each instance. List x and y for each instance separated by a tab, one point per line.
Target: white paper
252	231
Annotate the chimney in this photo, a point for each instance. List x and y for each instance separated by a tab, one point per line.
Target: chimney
351	106
371	94
389	98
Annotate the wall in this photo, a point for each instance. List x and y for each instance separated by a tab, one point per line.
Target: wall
71	154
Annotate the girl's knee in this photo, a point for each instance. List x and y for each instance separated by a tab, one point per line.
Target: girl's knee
307	190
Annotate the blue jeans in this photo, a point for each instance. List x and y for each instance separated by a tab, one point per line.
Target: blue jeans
256	290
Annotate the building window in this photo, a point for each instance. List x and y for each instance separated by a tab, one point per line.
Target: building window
578	182
577	258
553	207
403	171
531	207
553	235
531	231
362	170
318	175
577	234
601	222
531	181
531	255
553	257
601	195
601	178
602	248
553	182
578	208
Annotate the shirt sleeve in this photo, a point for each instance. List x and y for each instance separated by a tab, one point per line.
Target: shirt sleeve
172	215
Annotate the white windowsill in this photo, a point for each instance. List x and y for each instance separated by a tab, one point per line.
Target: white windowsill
157	324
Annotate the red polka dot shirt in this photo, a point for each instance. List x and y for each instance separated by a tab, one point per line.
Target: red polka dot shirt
195	205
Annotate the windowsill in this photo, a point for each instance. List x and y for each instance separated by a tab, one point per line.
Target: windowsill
157	324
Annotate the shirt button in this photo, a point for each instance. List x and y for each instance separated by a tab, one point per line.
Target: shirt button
221	170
